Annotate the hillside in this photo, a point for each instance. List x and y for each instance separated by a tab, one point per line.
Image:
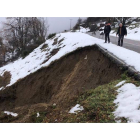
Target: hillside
65	71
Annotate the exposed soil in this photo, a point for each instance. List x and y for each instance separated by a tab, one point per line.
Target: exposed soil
44	47
61	40
53	52
5	79
55	41
62	81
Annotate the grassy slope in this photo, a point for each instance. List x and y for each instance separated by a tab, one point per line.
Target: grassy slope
98	106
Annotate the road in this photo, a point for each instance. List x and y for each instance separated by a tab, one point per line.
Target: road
128	43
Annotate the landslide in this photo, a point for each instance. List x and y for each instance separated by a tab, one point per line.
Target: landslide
62	81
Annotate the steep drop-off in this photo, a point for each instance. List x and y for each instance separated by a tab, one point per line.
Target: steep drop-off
62	81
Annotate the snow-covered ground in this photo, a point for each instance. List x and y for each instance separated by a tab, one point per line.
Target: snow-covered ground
128	103
72	40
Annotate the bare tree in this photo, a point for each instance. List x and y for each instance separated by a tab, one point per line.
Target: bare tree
3	49
22	32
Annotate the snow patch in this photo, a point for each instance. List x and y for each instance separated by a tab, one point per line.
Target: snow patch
76	108
121	83
1	88
37	114
118	121
128	103
11	113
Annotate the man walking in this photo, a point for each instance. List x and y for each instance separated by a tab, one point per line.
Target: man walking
107	30
121	32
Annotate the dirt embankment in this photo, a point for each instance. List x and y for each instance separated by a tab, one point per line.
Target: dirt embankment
62	81
5	79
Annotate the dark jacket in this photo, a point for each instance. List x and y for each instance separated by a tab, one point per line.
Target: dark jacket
107	29
123	31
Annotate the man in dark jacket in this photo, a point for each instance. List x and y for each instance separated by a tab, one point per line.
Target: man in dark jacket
107	30
121	32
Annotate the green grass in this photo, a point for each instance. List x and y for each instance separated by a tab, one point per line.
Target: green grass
35	119
98	103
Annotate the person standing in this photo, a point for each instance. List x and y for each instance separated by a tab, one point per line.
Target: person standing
107	30
121	32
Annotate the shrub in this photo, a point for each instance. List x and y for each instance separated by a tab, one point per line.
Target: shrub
25	53
51	35
76	27
28	50
39	41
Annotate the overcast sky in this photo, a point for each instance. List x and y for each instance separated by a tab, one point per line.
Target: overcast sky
58	24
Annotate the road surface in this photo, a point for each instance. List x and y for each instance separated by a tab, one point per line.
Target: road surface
128	43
